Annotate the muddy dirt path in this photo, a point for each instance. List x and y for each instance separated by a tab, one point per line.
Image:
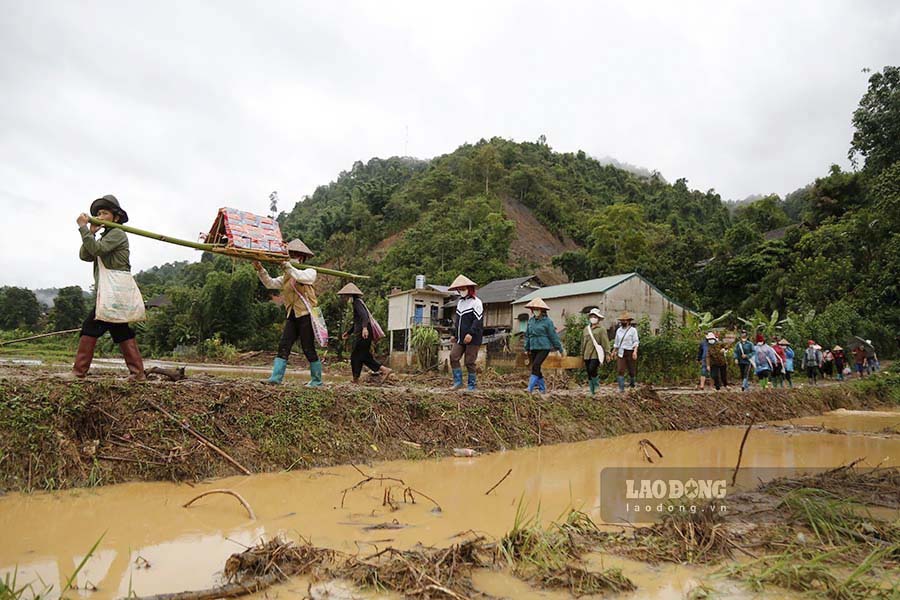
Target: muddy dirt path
151	544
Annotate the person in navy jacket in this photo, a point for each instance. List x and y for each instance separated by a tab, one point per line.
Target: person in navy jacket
468	328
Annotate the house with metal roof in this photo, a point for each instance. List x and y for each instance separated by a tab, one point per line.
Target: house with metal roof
612	295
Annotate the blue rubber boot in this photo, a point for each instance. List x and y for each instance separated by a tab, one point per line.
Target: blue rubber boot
594	382
315	372
457	379
471	382
542	385
532	381
278	369
621	380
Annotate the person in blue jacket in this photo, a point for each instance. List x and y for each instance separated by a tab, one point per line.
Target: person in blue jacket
788	361
540	339
743	356
468	332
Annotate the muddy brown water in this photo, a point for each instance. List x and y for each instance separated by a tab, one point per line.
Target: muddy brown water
46	535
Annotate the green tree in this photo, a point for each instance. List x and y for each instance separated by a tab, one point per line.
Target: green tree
69	308
877	122
19	308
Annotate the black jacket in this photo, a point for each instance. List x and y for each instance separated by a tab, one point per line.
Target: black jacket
469	320
360	318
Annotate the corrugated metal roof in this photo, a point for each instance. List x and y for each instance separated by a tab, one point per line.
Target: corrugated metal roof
591	286
504	290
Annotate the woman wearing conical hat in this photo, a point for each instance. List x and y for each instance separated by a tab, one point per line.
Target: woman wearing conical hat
299	295
468	327
540	339
626	349
363	334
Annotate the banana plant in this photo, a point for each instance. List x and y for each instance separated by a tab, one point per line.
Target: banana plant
760	323
706	321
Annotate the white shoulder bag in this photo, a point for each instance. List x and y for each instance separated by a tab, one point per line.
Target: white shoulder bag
600	353
118	298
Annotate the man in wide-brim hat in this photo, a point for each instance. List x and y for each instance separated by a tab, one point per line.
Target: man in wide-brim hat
468	328
363	335
626	349
111	248
540	339
299	296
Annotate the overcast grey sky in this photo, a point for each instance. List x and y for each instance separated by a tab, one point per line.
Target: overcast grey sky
179	108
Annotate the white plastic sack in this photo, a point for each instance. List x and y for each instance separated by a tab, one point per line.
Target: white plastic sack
118	298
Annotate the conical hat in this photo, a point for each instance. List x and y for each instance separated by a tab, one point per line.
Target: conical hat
537	303
350	290
626	316
783	342
297	245
837	348
461	282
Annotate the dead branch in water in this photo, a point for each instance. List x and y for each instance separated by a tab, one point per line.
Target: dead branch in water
741	453
234	494
502	479
643	444
367	479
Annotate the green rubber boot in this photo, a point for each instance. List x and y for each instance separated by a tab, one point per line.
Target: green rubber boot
315	372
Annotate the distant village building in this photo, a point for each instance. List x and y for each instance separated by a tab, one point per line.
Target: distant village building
612	295
422	305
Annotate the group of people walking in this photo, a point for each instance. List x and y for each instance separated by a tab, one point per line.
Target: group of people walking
773	360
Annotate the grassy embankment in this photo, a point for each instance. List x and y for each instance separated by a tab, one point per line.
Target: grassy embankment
55	434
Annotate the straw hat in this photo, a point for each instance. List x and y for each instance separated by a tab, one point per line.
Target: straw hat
298	246
110	203
537	303
837	348
596	312
461	282
626	316
783	342
350	290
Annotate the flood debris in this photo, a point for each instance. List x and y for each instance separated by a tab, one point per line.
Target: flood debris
879	486
231	493
644	443
502	479
551	556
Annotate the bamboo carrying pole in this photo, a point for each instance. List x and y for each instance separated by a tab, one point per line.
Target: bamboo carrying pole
42	335
234	253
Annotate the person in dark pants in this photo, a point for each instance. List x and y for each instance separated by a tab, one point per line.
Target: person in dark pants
594	348
112	249
743	356
626	349
299	297
812	361
468	332
715	358
363	335
540	339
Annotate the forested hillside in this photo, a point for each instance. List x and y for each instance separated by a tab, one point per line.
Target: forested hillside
828	254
